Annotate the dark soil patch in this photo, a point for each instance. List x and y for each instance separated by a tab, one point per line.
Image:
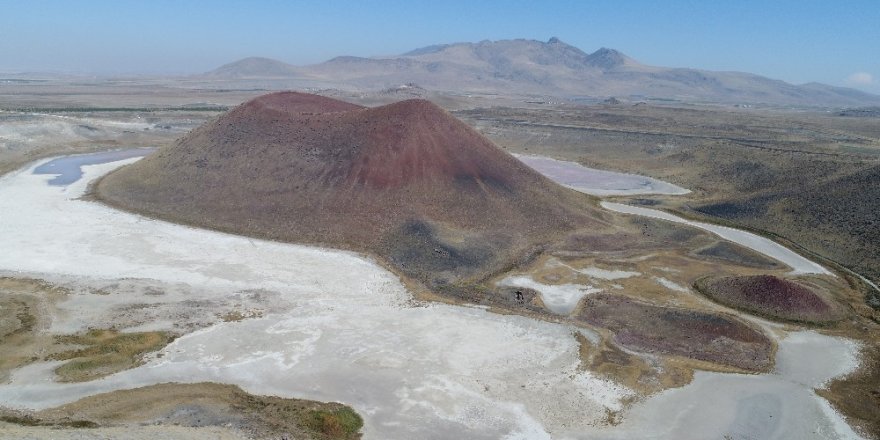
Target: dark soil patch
702	336
732	253
771	297
417	249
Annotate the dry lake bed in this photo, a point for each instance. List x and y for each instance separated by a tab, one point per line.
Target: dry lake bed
335	326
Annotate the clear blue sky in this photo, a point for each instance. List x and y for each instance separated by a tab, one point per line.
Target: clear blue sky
797	41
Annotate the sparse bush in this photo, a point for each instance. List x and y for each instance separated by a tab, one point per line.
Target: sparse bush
341	423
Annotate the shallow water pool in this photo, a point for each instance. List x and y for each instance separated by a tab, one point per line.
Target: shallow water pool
68	169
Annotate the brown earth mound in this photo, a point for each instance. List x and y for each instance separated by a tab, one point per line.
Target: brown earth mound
668	331
770	296
406	181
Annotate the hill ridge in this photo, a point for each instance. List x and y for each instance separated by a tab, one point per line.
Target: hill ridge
552	68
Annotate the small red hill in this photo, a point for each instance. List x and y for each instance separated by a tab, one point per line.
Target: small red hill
406	181
771	297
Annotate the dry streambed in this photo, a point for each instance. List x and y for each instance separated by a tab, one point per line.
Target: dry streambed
412	370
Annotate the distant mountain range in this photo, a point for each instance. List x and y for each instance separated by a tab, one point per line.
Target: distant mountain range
549	68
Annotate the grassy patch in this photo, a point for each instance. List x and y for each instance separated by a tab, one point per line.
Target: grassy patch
105	352
23	322
29	420
20	420
342	423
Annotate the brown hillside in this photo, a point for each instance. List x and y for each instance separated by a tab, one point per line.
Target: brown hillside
406	181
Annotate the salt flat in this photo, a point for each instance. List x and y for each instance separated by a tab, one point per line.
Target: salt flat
779	405
598	182
412	370
349	331
560	299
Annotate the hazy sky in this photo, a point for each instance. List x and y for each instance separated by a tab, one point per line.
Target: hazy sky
832	41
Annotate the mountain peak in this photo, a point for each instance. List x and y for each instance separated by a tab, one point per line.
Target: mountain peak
434	48
556	43
607	59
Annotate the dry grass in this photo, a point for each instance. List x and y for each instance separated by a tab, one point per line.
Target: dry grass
341	423
633	371
858	395
106	352
23	302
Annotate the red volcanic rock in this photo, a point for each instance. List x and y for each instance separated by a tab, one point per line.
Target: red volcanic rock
770	296
292	103
406	181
